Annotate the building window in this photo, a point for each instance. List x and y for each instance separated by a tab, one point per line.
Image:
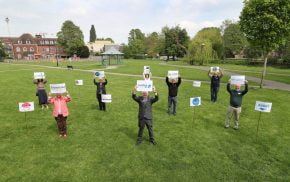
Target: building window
46	42
24	49
19	41
28	42
17	49
19	56
41	42
51	42
31	49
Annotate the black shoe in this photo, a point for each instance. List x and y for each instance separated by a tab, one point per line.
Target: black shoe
138	142
153	142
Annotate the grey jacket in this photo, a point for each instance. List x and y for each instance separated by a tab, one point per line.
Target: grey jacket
145	107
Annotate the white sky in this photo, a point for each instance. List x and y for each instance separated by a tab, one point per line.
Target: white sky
114	18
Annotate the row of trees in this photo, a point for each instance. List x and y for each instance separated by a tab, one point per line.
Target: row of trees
171	42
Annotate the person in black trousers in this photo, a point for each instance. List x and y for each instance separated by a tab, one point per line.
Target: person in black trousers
101	89
215	84
145	114
172	94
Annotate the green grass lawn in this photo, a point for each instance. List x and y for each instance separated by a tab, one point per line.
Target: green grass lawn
193	146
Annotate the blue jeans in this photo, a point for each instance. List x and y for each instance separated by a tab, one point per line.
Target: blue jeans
172	100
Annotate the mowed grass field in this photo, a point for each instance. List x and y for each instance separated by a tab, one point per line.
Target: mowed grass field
192	146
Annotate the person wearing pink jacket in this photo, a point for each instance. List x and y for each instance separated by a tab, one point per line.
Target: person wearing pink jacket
60	111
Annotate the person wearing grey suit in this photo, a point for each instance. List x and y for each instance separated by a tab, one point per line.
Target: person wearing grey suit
145	114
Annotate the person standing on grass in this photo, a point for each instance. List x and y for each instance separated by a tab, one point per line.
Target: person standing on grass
60	111
41	93
145	114
173	85
236	97
215	84
101	89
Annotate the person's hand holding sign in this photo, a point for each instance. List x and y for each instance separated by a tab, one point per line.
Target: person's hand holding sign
154	90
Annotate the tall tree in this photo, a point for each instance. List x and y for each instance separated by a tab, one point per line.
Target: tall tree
176	41
234	39
93	35
136	43
70	37
153	44
266	24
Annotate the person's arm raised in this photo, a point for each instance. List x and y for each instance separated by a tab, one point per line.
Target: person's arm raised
246	88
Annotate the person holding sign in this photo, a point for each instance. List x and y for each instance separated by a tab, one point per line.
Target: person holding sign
236	97
173	85
101	89
215	83
145	114
60	111
41	93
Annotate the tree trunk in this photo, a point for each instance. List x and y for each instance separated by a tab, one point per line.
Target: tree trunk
264	70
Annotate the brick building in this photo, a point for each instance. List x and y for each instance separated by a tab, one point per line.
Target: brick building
28	47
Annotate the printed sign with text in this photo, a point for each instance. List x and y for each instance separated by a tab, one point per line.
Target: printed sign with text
107	98
57	88
263	106
26	106
39	75
173	74
214	69
238	80
197	83
99	74
144	85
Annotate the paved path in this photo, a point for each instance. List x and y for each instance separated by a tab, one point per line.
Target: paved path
267	83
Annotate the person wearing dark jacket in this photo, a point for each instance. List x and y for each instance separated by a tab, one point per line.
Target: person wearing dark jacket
145	114
236	98
101	89
215	84
41	93
172	94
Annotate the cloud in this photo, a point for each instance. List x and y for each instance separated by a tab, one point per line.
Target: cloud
115	18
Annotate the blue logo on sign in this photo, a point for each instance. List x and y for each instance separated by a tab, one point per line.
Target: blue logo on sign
195	101
97	73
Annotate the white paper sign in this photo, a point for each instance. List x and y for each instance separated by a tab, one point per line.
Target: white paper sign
263	106
172	74
79	82
26	106
99	74
214	69
238	80
196	101
39	75
107	98
196	83
144	85
57	88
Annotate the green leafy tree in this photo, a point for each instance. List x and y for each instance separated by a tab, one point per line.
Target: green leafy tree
70	38
153	44
2	52
83	52
206	45
93	35
176	42
110	39
234	39
136	43
266	24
